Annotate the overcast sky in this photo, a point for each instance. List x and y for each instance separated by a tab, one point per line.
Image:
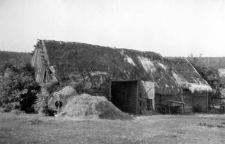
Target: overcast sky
168	27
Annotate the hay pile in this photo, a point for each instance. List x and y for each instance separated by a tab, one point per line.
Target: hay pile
63	95
87	106
66	91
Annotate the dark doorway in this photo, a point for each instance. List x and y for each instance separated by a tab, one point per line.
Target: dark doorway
124	95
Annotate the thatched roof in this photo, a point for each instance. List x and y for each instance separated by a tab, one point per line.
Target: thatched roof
187	76
119	64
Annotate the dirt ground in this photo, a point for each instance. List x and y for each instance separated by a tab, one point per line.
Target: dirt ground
157	129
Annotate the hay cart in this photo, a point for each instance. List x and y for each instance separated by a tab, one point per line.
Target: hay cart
171	107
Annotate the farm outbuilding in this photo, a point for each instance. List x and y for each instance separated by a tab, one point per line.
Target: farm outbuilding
98	70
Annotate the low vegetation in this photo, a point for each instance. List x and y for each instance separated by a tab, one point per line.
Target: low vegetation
160	129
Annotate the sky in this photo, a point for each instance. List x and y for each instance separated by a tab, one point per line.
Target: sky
168	27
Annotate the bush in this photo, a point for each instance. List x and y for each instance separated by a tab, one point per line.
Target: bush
41	103
18	88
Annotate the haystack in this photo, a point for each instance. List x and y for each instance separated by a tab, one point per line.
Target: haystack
65	92
63	95
87	106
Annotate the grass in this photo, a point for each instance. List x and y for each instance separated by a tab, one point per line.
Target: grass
158	129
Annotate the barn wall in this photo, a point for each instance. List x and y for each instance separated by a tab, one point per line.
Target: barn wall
193	99
188	100
201	100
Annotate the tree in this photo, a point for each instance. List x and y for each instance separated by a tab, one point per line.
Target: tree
18	88
209	73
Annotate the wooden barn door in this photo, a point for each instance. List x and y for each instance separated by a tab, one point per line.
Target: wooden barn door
147	97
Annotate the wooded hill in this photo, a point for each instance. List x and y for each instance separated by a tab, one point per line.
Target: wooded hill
7	55
214	62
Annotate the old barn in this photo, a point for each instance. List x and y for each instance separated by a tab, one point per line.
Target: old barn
100	70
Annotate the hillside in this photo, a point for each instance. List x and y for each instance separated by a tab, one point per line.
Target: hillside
213	62
21	56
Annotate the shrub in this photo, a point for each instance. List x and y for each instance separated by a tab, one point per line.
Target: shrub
41	103
18	89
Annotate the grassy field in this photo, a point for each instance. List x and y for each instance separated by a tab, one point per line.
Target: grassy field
169	129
